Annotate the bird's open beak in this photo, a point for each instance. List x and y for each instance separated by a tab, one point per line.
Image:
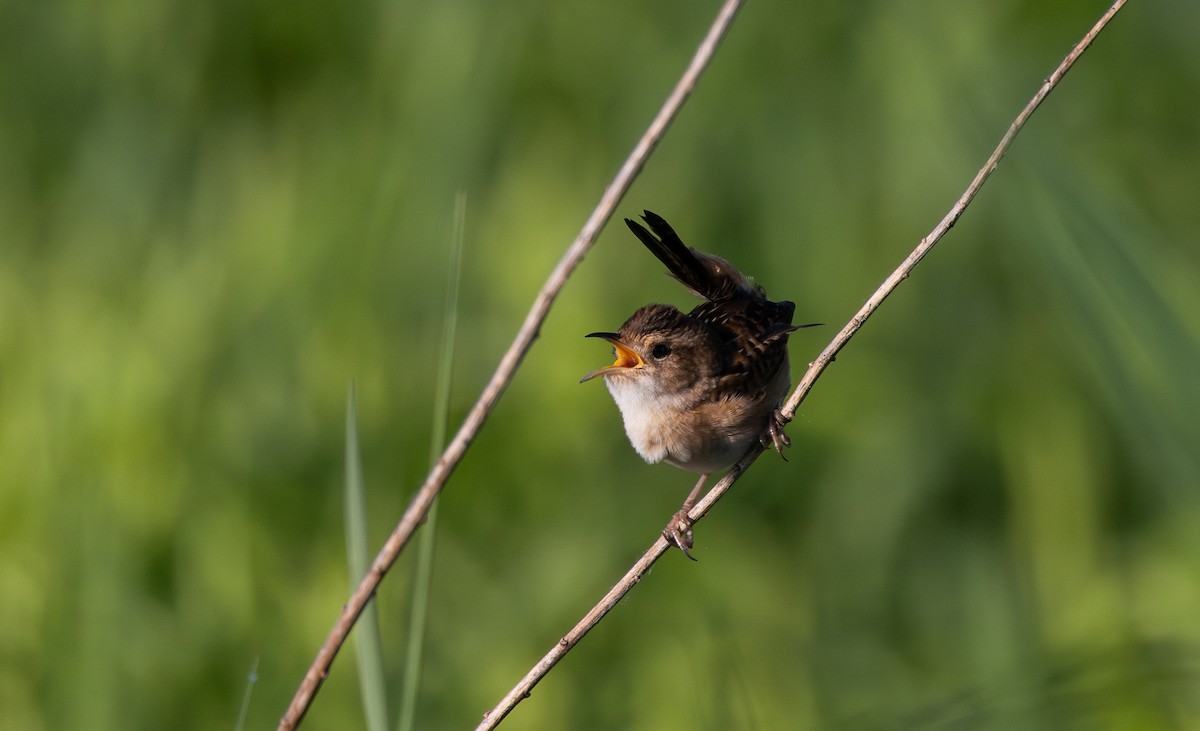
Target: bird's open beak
626	356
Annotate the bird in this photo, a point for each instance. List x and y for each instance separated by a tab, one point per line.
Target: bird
697	390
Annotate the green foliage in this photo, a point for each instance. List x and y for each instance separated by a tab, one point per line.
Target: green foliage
215	215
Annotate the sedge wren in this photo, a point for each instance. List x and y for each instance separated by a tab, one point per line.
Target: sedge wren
697	390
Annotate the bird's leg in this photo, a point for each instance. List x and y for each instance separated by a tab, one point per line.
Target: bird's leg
774	436
679	529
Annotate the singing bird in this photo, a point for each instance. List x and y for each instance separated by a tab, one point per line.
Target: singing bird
696	390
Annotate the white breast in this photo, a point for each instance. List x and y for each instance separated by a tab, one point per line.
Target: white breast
645	412
713	442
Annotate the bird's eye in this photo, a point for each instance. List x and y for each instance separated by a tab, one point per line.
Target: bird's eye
660	351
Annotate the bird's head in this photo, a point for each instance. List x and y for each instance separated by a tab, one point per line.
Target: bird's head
659	350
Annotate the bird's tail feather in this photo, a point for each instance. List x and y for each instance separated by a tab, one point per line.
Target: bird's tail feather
705	275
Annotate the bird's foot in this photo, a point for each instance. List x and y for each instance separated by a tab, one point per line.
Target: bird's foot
774	435
679	532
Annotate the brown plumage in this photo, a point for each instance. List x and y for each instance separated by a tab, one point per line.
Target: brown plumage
697	389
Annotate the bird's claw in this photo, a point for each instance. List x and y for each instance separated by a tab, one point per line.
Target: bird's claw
679	532
775	436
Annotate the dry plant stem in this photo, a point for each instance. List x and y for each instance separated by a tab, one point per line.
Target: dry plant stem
818	366
492	718
417	510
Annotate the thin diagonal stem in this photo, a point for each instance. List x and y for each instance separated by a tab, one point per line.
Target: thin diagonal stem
444	467
634	575
818	366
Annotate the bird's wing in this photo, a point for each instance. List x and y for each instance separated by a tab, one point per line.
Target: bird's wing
754	333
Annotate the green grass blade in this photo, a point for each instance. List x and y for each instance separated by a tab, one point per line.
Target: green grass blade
428	536
251	679
366	634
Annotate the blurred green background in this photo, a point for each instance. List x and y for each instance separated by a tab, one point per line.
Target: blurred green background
214	216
